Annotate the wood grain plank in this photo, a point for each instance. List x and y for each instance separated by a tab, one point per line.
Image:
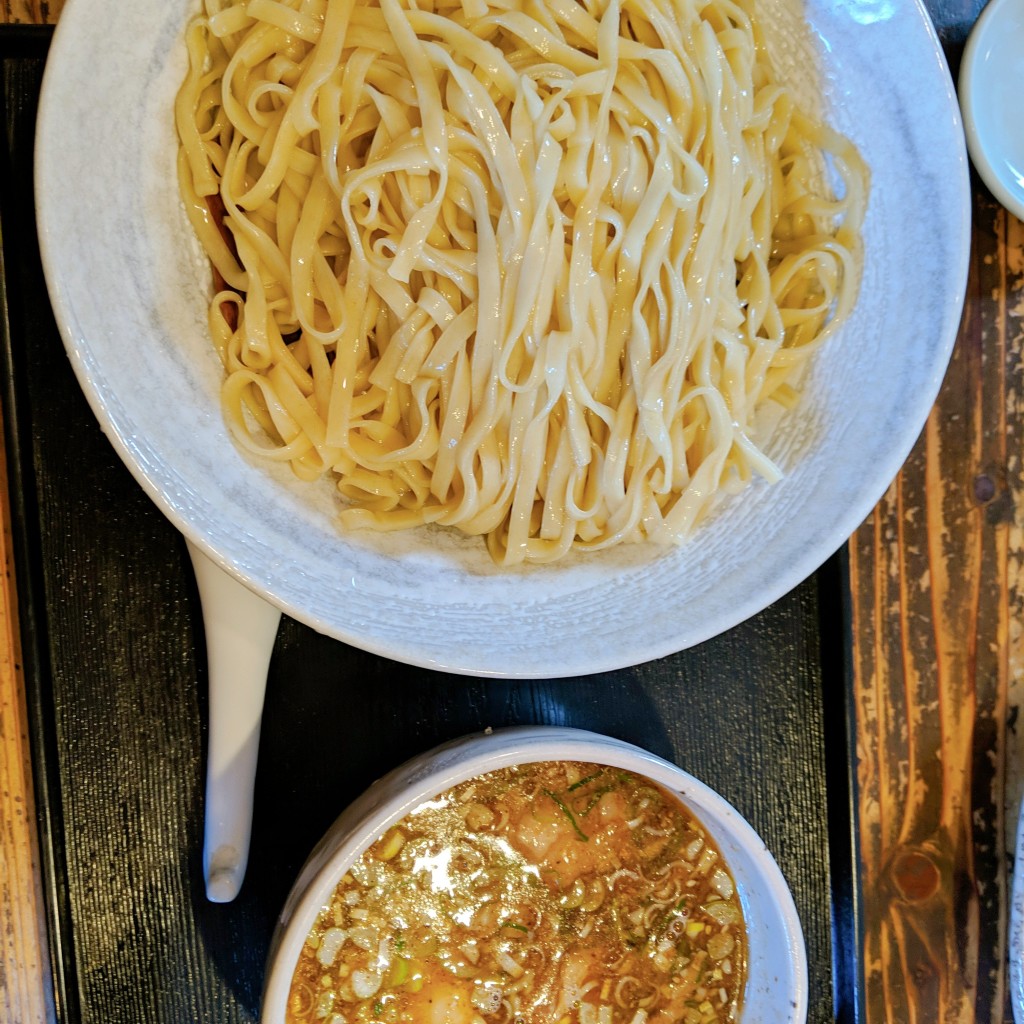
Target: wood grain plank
933	602
25	995
31	12
1011	261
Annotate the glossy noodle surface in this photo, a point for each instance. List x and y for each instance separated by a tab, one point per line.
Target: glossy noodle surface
531	269
553	893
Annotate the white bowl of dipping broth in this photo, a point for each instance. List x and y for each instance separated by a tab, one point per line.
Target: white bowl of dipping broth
435	852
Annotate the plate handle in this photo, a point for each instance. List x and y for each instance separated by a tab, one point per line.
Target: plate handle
240	631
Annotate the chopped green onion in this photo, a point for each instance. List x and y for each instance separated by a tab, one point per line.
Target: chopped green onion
565	810
595	799
582	782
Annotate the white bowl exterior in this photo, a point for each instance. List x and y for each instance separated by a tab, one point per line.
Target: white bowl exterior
991	85
776	990
1015	937
128	286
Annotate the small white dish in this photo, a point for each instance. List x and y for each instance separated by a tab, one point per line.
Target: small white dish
991	87
776	989
1016	937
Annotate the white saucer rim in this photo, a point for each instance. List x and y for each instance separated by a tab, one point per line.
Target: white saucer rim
977	145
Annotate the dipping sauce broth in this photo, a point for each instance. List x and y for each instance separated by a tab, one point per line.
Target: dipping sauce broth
550	893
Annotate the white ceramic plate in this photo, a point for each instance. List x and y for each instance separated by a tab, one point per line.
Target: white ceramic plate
128	288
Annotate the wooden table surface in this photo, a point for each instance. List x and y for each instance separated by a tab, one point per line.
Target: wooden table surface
25	990
936	592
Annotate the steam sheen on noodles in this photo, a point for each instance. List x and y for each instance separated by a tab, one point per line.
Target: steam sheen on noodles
526	268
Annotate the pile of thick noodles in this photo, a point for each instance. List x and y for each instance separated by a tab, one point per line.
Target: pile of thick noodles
526	268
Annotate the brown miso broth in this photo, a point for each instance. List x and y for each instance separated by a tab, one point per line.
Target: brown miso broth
551	893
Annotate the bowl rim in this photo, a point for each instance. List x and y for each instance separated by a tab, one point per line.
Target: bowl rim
393	796
990	26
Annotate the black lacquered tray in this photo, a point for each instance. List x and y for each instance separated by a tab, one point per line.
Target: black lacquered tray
116	679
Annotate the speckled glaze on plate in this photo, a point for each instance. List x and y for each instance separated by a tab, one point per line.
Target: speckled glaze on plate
128	287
